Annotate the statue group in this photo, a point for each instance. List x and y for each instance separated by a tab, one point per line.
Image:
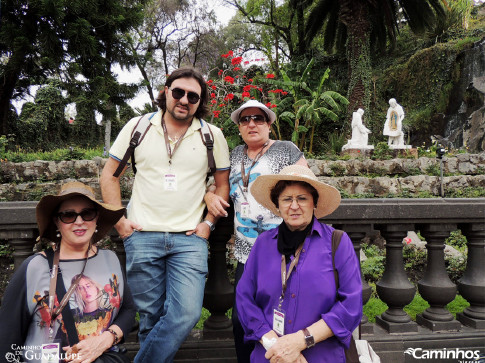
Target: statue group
392	129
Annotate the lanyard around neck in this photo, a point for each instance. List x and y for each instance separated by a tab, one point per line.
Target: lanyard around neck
167	142
244	177
284	275
52	289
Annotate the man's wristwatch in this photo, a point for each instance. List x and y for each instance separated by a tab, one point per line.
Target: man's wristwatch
210	224
310	342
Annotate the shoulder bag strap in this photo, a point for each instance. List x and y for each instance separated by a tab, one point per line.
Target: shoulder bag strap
67	317
351	354
208	140
336	238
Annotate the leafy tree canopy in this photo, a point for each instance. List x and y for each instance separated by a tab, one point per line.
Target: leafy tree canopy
67	40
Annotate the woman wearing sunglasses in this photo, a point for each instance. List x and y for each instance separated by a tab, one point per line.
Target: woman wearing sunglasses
35	325
258	156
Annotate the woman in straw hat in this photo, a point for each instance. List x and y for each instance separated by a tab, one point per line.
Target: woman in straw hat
34	325
287	298
258	156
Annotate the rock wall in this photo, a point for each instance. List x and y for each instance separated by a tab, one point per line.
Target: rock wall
32	180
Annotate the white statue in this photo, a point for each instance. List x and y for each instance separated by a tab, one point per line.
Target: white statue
393	124
360	133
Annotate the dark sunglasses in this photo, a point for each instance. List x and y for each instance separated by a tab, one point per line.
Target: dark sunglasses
258	120
178	93
71	216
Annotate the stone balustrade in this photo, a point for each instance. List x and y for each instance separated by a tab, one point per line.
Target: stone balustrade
393	218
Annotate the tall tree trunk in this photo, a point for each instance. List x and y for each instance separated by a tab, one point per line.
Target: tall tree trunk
355	14
107	134
8	81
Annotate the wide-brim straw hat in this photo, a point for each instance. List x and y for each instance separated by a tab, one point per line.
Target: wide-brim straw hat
253	103
328	196
108	214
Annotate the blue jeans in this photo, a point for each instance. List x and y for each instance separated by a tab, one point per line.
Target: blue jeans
166	273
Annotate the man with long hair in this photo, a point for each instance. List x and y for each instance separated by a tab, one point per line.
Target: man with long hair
164	234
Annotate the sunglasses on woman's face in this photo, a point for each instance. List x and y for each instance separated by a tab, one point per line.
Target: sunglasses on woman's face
71	216
258	120
178	93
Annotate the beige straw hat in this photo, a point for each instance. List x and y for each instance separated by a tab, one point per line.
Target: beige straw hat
107	217
328	196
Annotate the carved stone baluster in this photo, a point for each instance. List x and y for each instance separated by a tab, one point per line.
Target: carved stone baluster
436	287
356	233
219	292
472	284
22	241
394	288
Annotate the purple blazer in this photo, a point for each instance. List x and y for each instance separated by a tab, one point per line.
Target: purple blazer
310	295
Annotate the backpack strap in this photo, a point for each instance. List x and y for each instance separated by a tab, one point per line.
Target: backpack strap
208	140
137	135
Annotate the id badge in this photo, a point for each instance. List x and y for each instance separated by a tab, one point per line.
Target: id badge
170	182
279	321
245	210
50	353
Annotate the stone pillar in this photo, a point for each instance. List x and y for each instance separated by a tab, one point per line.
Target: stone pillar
394	288
472	284
436	287
356	233
22	241
219	292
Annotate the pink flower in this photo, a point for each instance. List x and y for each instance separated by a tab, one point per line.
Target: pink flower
407	240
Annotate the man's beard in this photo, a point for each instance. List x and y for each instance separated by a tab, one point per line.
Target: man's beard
179	118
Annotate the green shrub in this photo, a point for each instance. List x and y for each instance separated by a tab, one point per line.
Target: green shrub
382	152
455	267
415	262
6	250
373	268
457	240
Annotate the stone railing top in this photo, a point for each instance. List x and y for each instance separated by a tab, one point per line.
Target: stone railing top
21	215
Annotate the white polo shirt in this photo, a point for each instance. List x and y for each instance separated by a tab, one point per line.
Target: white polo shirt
151	205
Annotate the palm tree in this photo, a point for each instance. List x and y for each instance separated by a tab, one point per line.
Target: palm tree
362	25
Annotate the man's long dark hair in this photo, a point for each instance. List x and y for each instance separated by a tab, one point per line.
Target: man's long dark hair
186	72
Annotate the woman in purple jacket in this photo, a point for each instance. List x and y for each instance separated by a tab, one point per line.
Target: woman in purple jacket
287	298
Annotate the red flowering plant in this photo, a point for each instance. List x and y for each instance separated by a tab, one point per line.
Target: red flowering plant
235	83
